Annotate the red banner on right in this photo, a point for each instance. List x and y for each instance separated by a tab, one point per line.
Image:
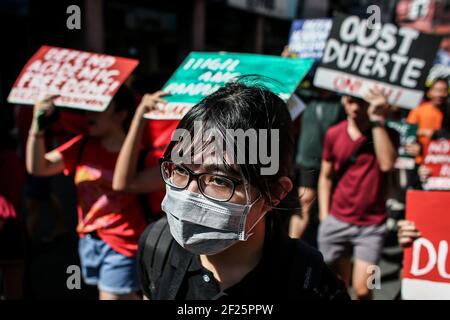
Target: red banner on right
426	265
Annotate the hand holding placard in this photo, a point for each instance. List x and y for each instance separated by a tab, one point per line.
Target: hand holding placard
377	104
407	233
424	173
151	102
44	114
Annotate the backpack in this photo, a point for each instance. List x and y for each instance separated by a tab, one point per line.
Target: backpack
307	269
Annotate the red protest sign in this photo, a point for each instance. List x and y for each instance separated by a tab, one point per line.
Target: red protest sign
426	265
84	80
437	158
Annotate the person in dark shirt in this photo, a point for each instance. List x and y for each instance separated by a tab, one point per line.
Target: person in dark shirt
223	238
321	112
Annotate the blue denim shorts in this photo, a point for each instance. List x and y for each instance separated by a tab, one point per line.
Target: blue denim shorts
107	269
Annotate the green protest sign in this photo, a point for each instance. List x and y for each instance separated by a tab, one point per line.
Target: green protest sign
202	73
408	135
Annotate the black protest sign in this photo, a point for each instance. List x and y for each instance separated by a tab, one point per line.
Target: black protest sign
360	55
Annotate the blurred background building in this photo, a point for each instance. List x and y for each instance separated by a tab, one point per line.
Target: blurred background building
161	33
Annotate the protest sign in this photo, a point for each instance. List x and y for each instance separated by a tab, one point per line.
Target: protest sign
202	73
426	265
295	106
408	135
308	37
437	158
83	80
359	56
429	16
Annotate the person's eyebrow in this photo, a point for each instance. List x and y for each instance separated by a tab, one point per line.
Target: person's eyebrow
226	170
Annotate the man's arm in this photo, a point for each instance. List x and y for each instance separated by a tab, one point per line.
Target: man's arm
384	149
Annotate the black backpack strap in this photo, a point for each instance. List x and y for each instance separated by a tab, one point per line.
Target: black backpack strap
161	250
143	198
310	264
153	241
315	279
364	147
156	249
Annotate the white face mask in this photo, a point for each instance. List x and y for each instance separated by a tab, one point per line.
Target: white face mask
203	226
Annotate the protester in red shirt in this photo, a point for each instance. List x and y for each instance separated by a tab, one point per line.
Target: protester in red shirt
109	222
351	189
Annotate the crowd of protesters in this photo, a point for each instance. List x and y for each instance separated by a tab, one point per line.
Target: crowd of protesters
225	230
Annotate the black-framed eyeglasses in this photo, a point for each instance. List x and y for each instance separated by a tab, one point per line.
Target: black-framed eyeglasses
213	186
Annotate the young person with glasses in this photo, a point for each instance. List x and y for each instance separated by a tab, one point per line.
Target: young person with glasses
222	236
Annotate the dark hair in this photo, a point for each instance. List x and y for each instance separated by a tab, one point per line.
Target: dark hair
240	106
440	79
125	100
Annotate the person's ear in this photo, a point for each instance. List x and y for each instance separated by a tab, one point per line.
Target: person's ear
280	189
